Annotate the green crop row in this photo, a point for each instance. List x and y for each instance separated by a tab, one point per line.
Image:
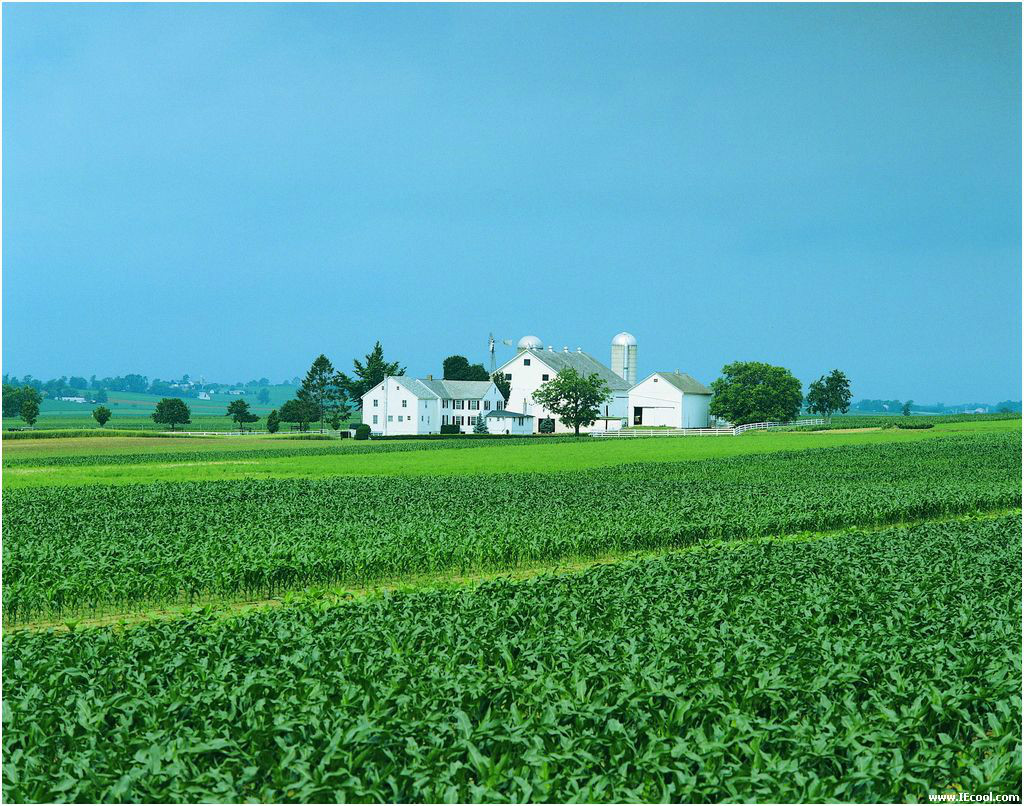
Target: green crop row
335	447
102	548
862	667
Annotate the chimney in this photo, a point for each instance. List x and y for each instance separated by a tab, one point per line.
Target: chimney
551	349
565	349
579	349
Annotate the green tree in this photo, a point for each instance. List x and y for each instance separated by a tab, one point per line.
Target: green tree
172	411
754	392
458	368
273	422
504	386
101	414
29	411
238	410
263	396
14	397
322	389
480	426
573	397
299	411
906	408
101	396
829	394
368	374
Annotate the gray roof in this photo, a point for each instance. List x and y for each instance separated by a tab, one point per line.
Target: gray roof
686	384
584	363
507	413
430	389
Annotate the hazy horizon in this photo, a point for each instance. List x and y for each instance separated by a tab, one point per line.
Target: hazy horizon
229	190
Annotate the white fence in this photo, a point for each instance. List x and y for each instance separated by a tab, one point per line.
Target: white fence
702	432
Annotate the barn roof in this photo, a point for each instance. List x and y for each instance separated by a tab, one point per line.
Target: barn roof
457	390
683	382
584	363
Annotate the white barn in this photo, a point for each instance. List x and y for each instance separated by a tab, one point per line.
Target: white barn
403	405
533	366
672	399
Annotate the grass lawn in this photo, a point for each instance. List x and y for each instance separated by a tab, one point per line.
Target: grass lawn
490	458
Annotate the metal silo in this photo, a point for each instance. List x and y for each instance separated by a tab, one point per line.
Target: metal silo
624	357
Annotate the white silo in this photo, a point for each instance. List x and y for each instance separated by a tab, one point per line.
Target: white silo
624	357
530	343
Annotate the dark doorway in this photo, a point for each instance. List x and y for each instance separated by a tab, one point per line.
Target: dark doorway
638	415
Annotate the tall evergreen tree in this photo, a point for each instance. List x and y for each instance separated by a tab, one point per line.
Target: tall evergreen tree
322	389
368	374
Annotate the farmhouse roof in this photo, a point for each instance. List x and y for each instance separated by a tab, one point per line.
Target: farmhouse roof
433	389
507	413
683	382
583	363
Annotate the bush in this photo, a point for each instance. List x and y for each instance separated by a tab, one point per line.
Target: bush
362	431
546	426
450	429
914	426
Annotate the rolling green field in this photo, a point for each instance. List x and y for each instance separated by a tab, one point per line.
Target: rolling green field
315	459
782	616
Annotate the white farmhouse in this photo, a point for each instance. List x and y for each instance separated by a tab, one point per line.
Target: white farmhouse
672	399
204	396
533	366
403	405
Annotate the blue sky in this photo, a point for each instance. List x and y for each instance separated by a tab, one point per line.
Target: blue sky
229	190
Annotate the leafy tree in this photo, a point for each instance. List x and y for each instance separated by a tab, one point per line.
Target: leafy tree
172	411
754	392
906	408
480	426
101	396
238	410
368	374
263	396
29	411
335	420
504	386
322	389
101	414
78	383
829	394
458	368
273	422
299	411
573	397
14	398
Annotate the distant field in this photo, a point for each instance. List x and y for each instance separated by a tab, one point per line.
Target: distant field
415	458
132	411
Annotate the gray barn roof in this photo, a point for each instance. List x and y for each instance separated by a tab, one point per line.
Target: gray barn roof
506	413
686	384
584	363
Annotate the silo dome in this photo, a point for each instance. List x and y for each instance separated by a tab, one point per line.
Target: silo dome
530	343
624	339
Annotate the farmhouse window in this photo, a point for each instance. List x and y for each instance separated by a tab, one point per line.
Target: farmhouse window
391	418
400	419
374	419
526	362
544	377
405	404
460	404
474	404
444	419
375	404
487	405
508	376
444	403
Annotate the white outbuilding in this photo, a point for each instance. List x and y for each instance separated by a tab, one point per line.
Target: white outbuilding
501	421
672	399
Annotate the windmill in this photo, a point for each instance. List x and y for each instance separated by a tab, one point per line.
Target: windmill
490	347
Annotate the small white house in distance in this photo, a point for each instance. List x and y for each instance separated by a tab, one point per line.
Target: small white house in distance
508	422
403	405
204	396
672	399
